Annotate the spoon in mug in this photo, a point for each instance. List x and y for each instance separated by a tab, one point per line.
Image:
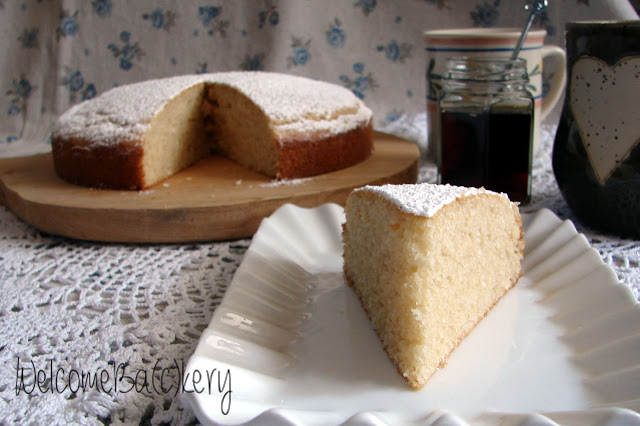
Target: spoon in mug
537	7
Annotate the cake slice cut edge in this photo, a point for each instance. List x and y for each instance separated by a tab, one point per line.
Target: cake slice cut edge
428	262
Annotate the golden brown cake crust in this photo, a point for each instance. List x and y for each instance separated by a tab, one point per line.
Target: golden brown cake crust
119	166
308	158
116	166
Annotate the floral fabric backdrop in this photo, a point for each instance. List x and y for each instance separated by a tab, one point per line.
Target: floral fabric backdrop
60	52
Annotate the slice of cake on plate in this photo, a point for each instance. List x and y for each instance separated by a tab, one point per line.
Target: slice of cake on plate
428	262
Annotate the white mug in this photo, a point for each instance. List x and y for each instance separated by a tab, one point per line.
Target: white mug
493	42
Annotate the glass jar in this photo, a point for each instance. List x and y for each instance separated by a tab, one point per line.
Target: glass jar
485	130
596	152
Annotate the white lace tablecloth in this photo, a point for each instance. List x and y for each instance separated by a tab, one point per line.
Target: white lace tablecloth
126	311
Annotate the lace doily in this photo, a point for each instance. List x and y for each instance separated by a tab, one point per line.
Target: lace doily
92	308
123	312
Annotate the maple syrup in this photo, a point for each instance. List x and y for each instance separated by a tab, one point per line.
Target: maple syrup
486	127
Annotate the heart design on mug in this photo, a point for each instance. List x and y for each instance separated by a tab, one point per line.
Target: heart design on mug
605	102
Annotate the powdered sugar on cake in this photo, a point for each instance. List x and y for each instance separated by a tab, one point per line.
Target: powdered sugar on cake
122	113
423	199
295	105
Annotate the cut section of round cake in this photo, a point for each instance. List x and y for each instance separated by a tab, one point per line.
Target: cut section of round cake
283	126
428	262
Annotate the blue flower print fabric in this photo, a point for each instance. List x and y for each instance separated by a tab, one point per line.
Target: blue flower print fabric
61	52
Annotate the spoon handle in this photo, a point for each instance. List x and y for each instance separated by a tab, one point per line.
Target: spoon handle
537	7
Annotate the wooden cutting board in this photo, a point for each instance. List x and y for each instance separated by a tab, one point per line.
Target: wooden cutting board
216	199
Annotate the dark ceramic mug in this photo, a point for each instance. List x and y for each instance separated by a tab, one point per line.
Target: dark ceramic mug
596	155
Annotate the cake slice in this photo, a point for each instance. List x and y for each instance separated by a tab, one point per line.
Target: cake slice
428	262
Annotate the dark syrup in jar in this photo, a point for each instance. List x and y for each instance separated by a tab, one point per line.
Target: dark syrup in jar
489	149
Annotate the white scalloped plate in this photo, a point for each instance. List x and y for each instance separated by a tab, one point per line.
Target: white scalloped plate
292	342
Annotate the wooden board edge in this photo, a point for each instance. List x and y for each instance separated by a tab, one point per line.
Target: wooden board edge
129	226
214	223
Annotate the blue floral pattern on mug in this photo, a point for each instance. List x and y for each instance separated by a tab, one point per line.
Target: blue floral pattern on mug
336	36
534	71
301	52
126	52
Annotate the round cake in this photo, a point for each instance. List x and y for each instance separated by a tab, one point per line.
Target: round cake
283	126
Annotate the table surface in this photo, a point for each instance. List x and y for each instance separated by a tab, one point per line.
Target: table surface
69	307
